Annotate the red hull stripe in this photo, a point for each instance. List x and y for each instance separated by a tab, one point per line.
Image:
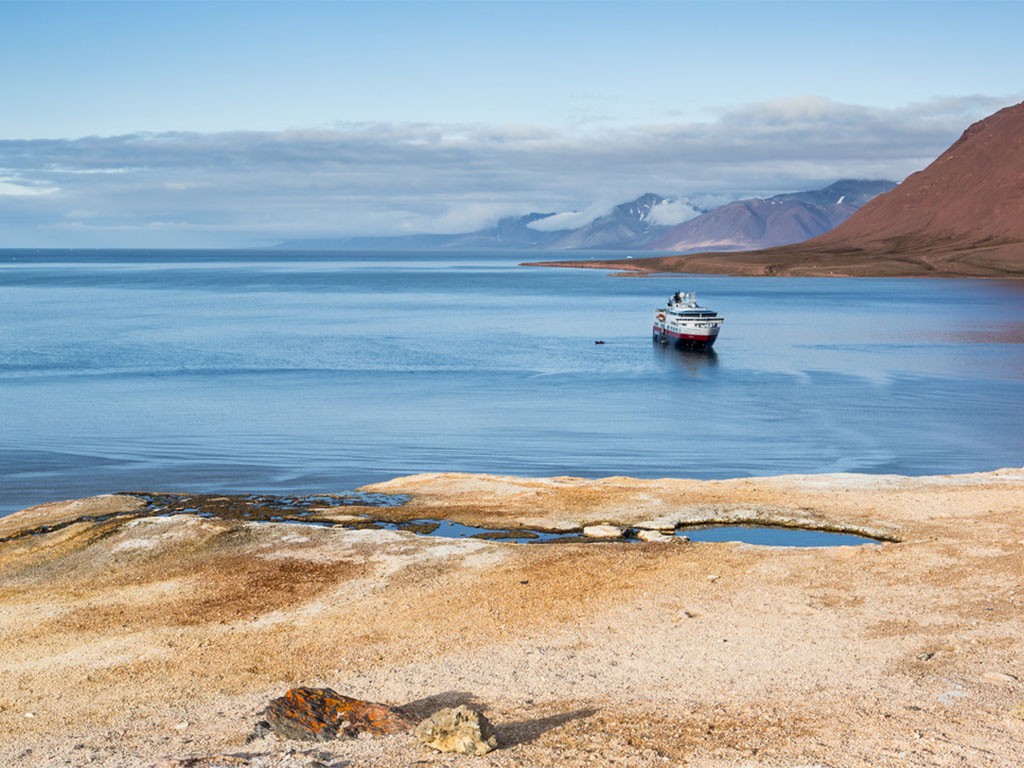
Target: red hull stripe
685	336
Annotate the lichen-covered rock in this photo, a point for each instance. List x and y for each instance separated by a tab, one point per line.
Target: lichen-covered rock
321	714
461	730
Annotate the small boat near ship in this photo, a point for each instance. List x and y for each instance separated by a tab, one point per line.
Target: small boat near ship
686	324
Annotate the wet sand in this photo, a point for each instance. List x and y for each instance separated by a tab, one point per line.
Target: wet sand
129	639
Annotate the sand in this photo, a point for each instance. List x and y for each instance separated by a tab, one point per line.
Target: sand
129	640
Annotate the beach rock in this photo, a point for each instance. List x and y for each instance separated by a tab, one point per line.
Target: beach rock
603	532
461	730
321	714
658	536
665	524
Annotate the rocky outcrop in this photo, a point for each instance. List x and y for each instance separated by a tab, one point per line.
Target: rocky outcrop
321	714
461	730
603	531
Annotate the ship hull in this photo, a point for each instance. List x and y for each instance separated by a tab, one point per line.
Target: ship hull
685	339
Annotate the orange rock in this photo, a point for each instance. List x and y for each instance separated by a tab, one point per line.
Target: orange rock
321	714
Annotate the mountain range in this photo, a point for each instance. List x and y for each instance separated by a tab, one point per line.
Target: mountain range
779	220
637	225
962	215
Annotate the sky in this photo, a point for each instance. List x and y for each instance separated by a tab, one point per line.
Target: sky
241	124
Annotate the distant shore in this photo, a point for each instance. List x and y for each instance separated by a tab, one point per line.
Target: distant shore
1002	262
152	638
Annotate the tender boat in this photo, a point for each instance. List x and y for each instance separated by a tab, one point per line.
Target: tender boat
686	324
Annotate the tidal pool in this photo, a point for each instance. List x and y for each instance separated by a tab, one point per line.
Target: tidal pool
774	536
309	510
763	535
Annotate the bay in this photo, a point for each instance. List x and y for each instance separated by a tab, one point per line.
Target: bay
289	372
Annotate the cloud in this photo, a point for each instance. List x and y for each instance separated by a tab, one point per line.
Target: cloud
247	188
14	187
572	219
459	217
672	212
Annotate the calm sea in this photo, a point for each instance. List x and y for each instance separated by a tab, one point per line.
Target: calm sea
303	373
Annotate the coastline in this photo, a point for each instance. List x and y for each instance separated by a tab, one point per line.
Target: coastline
155	638
1002	263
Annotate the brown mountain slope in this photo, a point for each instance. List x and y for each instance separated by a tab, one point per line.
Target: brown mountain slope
966	206
963	215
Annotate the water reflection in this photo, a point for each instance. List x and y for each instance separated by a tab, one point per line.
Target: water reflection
691	361
997	333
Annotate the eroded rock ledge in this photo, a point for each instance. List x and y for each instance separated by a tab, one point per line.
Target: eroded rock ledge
162	636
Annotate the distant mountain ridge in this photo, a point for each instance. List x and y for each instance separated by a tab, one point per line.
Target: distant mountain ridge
780	220
962	216
629	225
754	223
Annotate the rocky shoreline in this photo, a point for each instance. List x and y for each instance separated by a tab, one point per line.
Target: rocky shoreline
130	637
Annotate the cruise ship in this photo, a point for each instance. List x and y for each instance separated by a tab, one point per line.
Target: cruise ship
686	324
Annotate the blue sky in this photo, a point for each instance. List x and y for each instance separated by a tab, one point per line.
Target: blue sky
240	123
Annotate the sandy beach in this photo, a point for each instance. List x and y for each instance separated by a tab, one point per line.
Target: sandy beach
131	639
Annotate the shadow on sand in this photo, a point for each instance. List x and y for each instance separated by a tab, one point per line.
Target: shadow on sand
526	731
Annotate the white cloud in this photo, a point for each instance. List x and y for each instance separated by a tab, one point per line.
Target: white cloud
461	217
572	219
389	178
13	187
672	212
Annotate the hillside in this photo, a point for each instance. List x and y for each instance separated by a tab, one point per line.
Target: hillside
963	216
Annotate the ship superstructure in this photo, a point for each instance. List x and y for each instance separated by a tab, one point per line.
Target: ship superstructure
686	324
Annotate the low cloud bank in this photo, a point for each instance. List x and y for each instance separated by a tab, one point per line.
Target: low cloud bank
253	188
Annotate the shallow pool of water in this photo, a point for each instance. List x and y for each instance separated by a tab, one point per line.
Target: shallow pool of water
774	536
771	536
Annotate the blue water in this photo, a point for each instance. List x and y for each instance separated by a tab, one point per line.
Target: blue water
307	373
769	536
